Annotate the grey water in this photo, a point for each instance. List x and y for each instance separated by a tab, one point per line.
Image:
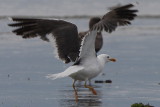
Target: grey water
72	7
24	63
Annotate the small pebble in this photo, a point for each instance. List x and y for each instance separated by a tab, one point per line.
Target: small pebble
99	81
108	81
103	74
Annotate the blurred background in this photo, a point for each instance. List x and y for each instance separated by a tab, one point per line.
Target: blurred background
25	63
72	7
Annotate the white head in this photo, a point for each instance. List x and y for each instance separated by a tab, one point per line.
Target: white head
104	58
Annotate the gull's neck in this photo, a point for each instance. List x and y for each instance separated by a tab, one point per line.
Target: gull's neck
101	62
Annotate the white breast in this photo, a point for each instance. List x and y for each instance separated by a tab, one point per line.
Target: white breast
92	69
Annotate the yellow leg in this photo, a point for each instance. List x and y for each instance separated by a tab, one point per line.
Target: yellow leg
91	88
75	91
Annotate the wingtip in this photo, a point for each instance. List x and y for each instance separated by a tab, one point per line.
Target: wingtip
127	6
133	4
121	6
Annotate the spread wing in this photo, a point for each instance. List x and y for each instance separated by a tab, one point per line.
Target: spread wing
87	49
98	42
65	34
119	16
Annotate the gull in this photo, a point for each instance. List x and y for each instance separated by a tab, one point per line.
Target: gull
87	64
64	34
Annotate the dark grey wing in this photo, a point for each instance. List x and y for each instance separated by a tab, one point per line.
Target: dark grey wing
119	16
65	34
82	34
98	42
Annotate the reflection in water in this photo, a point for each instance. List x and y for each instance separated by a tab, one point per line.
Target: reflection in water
85	97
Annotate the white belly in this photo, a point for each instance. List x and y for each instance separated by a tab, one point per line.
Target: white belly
86	74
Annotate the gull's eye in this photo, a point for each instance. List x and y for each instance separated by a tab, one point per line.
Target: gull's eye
107	56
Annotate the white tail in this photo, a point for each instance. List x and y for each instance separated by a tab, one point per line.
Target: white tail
67	72
52	76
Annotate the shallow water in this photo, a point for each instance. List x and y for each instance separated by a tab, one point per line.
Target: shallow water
135	76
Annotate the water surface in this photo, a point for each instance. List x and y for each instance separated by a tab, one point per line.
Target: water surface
25	63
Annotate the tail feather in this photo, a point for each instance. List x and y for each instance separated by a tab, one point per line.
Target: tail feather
67	72
53	76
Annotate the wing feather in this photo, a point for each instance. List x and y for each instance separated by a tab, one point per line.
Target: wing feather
87	48
119	16
65	34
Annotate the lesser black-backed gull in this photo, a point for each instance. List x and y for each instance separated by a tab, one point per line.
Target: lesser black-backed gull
88	65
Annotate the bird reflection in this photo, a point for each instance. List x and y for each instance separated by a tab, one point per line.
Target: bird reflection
85	97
